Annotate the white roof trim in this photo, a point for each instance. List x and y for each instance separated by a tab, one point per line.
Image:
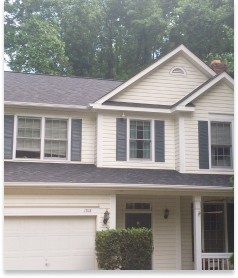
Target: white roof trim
47	105
199	92
141	109
181	48
118	186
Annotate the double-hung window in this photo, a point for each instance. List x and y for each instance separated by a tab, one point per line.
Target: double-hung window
221	144
28	137
55	138
32	142
140	139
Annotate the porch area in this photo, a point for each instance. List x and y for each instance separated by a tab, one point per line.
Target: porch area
190	232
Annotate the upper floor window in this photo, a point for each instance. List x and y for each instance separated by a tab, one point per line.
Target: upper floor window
221	144
28	137
55	138
140	139
36	135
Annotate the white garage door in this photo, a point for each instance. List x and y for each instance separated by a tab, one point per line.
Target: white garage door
49	243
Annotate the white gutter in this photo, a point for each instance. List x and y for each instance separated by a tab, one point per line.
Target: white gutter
118	186
140	109
47	105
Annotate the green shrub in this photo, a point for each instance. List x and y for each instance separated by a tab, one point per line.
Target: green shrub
129	249
108	249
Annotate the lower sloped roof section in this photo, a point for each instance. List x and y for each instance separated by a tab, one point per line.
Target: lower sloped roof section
82	173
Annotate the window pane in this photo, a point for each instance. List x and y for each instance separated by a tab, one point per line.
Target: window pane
56	138
214	233
221	144
28	138
140	145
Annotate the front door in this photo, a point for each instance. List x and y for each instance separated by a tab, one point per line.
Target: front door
139	220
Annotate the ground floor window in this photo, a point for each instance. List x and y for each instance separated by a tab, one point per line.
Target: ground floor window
218	227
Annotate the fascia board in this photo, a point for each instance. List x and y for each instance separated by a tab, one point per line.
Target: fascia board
118	186
181	49
126	108
220	77
42	105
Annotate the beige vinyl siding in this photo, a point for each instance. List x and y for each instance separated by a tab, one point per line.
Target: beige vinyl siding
88	127
166	238
65	199
109	143
218	100
186	233
160	87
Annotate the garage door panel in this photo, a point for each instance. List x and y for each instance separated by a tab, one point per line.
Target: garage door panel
82	242
44	243
12	243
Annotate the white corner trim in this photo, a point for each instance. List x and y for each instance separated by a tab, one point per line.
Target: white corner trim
180	48
99	140
181	144
113	211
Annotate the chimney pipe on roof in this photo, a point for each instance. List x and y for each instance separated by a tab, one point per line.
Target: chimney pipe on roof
218	66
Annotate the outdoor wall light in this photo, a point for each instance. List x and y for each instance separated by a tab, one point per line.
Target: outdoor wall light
166	213
106	217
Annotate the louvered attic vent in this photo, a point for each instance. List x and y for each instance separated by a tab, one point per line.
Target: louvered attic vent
178	71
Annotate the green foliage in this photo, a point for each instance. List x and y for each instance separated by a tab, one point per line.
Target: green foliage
113	38
231	259
136	246
127	249
232	181
108	249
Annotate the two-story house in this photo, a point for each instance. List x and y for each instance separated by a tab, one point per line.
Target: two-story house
84	154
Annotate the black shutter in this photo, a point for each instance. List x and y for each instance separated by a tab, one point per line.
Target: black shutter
159	141
76	139
8	136
121	137
203	144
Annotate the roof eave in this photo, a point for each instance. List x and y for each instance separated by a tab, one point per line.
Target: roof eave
119	186
43	105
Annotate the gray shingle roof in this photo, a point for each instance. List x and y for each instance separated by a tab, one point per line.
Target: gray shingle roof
82	173
49	89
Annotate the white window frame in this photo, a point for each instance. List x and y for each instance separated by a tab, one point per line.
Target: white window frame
222	119
15	133
42	118
224	203
152	147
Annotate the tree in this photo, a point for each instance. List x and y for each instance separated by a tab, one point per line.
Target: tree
32	40
113	38
206	27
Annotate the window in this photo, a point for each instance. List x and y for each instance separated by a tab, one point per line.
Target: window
214	237
28	137
55	138
217	216
221	144
140	139
31	144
